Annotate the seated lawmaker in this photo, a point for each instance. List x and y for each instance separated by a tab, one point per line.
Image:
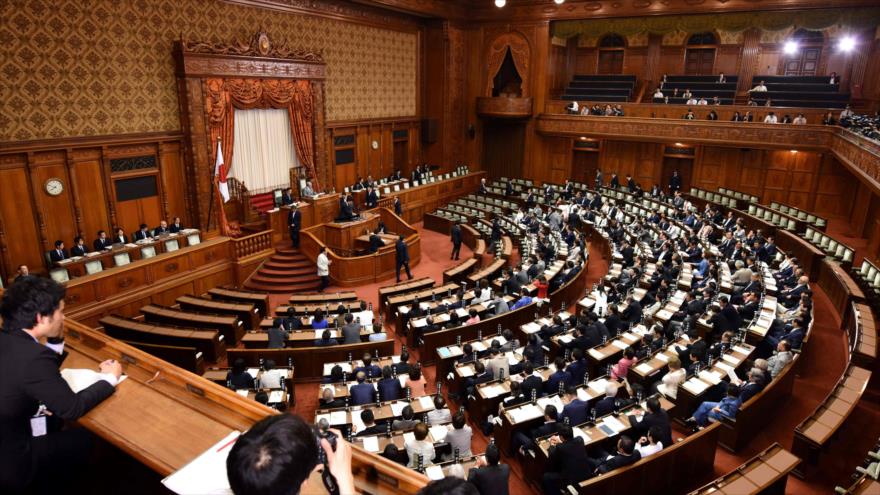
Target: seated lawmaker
605	462
361	392
567	461
345	210
307	191
287	197
370	426
120	237
102	242
142	234
325	339
713	411
389	386
329	401
490	477
525	300
79	247
59	253
161	229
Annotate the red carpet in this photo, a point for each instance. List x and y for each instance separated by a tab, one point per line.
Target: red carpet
825	360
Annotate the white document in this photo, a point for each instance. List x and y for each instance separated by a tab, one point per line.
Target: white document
434	473
243	392
695	386
582	394
427	402
733	378
742	350
511	359
614	424
595	354
723	366
81	379
662	357
371	443
397	408
338	418
402	379
255	371
731	359
712	377
276	396
395	359
438	432
346	367
465	371
492	391
620	344
644	368
565	339
357	422
478	346
551	401
598	385
581	433
409	437
206	474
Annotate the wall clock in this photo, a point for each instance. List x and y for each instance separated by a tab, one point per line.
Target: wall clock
54	186
375	145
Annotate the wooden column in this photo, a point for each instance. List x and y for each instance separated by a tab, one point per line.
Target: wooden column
751	49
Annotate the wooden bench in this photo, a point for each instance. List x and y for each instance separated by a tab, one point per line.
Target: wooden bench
398	300
188	358
765	473
752	416
669	471
408	286
840	287
208	342
323	298
230	327
809	255
815	432
260	300
247	313
861	325
308	362
308	309
460	271
491	271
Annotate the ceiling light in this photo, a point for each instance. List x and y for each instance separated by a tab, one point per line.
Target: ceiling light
559	2
847	44
790	47
679	144
500	3
794	151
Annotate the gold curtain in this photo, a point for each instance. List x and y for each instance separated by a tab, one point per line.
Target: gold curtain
225	95
519	52
856	19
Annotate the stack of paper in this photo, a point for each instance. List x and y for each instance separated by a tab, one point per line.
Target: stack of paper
582	434
338	418
371	443
438	432
206	474
492	391
243	392
478	346
276	396
81	379
731	359
712	377
427	402
596	354
644	368
695	386
531	327
357	422
662	357
397	408
583	394
434	473
614	424
598	385
551	401
620	344
566	338
742	350
409	437
512	360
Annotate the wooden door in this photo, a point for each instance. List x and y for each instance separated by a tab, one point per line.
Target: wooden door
401	154
610	62
584	165
803	63
699	61
503	144
683	165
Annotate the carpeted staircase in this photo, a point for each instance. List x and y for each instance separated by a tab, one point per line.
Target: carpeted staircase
285	271
263	202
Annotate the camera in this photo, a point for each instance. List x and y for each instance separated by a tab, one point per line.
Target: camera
323	432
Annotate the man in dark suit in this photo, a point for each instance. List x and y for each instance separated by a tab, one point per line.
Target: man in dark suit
389	387
396	175
560	376
79	247
277	337
142	233
361	392
120	237
630	184
372	199
488	476
624	456
102	242
415	176
161	229
36	457
287	197
369	369
294	223
575	409
605	405
566	463
370	426
614	183
655	416
398	206
176	226
508	188
375	242
401	258
455	235
522	442
328	401
351	331
674	185
325	340
59	253
531	382
633	311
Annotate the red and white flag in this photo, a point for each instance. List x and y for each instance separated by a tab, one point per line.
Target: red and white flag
220	172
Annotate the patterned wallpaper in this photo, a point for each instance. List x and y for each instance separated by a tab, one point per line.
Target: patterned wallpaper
91	67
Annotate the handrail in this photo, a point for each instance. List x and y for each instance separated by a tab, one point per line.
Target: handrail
250	245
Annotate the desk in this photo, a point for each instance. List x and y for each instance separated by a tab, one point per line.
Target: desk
809	255
340	236
840	286
764	474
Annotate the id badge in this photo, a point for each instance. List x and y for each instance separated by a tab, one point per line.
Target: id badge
38	422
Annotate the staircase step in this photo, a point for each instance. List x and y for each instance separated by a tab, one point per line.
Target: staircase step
289	288
294	279
284	265
287	272
293	258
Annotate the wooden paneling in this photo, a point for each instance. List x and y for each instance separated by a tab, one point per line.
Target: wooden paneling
377	162
643	161
31	220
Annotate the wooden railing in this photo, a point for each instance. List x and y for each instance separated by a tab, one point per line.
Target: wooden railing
258	243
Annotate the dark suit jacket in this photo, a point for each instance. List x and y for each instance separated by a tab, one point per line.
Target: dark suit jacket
371	199
175	228
361	393
490	480
294	219
333	404
286	199
375	243
159	230
532	383
618	461
398	207
389	389
79	250
569	459
54	255
277	338
401	252
650	419
117	239
371	430
577	412
140	234
30	376
456	235
604	406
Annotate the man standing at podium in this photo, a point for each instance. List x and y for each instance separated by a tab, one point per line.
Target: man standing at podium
402	258
37	457
294	222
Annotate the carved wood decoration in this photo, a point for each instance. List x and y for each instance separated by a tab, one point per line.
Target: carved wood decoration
256	72
520	52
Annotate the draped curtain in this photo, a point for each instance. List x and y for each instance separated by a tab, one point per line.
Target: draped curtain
225	95
264	150
860	18
519	52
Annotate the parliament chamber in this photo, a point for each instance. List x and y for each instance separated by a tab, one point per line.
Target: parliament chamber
440	246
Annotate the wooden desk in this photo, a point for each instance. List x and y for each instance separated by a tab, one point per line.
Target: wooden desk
840	286
230	327
76	266
209	342
861	326
809	255
258	299
404	287
764	474
327	298
340	236
247	313
309	361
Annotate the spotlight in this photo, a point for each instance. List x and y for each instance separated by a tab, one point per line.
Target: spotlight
500	3
559	2
790	47
794	151
847	44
